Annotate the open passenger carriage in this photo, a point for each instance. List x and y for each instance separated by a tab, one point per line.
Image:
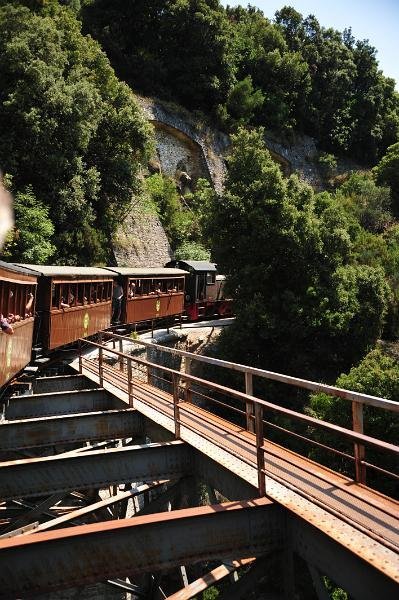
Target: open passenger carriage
150	293
17	305
72	302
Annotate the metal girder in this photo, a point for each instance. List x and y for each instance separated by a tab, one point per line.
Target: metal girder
60	403
94	469
88	553
358	578
61	383
226	482
45	431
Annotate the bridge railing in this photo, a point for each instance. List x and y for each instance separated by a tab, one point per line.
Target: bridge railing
182	383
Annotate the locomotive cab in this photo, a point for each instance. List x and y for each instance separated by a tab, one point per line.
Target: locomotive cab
204	289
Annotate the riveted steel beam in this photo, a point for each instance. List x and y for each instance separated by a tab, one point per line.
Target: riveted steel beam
45	431
88	553
61	383
60	403
97	468
361	580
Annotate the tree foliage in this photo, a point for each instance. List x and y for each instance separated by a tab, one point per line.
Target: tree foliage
30	239
181	217
387	173
68	127
176	48
239	66
299	301
377	374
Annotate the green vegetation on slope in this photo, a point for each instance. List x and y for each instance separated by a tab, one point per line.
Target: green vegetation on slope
244	69
303	303
69	130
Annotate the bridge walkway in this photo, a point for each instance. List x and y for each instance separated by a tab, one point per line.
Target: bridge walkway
357	517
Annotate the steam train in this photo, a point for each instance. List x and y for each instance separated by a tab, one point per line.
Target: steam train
52	306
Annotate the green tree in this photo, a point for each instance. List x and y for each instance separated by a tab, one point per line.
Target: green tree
378	375
192	251
280	75
68	127
387	173
351	106
370	204
30	239
243	101
301	306
176	49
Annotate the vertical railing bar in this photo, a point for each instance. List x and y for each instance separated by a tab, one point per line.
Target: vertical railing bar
130	382
100	366
187	369
80	356
176	411
121	357
358	449
249	406
260	453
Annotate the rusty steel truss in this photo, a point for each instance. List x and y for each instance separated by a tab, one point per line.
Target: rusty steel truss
66	442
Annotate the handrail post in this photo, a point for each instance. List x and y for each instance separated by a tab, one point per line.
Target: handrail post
260	454
187	369
359	449
100	365
249	406
176	411
121	357
130	382
80	356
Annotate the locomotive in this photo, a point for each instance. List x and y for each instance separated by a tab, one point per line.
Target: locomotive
52	306
204	291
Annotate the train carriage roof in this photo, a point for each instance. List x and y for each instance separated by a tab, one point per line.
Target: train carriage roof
194	265
67	271
147	271
17	268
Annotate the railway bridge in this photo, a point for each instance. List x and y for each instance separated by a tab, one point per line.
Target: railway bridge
147	433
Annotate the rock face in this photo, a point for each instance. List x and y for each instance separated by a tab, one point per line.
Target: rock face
141	240
185	143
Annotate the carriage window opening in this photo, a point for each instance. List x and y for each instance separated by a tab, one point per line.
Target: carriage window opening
80	294
210	278
11	299
146	287
132	289
72	294
93	293
64	303
2	303
100	292
55	296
